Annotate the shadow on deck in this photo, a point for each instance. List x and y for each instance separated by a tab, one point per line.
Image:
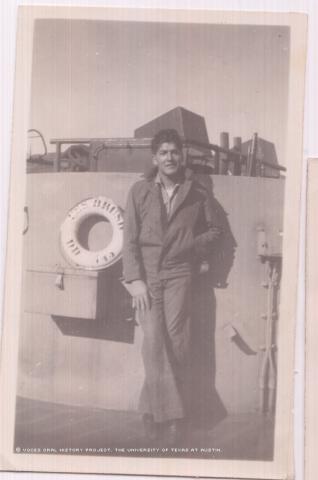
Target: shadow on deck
66	429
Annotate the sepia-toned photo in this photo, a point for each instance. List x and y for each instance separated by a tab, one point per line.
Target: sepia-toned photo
159	184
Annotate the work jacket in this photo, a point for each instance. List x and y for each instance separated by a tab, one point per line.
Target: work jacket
161	246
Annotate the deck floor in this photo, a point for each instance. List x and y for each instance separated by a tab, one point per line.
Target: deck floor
54	428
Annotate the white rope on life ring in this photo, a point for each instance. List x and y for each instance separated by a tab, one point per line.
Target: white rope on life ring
74	252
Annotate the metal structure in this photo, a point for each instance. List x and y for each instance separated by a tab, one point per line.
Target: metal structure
79	306
219	158
86	154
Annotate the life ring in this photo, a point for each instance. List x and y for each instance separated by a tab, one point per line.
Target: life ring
72	248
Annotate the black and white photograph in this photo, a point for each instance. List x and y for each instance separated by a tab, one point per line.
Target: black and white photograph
153	323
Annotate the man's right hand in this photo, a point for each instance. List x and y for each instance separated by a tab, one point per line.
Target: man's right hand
139	292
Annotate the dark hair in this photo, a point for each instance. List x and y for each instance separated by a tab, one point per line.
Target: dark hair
168	135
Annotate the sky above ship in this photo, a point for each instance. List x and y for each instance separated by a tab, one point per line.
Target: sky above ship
106	78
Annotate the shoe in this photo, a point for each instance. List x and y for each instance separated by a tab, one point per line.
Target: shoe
150	426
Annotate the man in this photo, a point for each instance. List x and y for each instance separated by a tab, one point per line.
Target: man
169	228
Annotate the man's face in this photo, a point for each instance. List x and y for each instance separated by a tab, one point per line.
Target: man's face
168	159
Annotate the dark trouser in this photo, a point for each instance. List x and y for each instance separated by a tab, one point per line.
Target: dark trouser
165	349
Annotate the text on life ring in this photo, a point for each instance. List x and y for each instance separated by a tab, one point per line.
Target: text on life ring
71	244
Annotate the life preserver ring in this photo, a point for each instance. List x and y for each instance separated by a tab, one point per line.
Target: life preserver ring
71	246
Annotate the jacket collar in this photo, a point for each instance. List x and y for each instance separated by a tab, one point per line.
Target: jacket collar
183	191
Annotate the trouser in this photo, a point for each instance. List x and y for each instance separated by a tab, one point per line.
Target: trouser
165	349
